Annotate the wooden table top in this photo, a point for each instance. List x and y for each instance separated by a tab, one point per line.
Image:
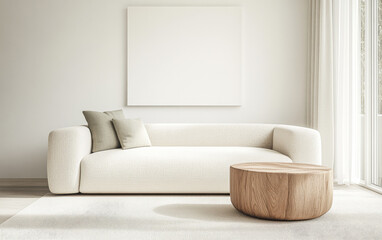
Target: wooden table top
276	167
281	191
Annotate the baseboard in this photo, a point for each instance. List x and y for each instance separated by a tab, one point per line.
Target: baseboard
23	182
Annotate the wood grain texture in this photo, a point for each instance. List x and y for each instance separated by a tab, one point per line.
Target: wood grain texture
281	191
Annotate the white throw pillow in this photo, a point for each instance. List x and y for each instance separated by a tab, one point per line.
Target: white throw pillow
131	133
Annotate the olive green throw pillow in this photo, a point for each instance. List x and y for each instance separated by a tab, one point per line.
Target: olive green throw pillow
131	133
101	127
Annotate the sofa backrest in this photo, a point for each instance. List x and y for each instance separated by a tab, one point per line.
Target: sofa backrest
246	135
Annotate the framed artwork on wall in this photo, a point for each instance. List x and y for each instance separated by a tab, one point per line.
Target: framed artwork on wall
184	56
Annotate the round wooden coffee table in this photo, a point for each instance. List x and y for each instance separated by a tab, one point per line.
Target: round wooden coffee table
281	191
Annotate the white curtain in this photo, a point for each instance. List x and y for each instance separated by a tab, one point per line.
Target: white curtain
333	89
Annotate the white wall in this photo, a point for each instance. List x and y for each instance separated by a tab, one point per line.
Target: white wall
60	57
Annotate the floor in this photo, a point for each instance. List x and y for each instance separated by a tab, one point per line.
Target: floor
14	199
356	214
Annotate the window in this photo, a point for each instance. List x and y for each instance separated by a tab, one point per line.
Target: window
379	32
363	51
370	36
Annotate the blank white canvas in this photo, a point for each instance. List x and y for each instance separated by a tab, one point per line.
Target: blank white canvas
179	56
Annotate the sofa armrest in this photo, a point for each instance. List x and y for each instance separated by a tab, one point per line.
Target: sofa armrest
66	148
302	145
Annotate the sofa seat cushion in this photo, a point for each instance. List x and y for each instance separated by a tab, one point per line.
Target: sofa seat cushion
167	169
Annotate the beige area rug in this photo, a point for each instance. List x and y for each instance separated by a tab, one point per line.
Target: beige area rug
356	214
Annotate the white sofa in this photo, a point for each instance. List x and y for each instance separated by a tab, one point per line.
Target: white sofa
184	158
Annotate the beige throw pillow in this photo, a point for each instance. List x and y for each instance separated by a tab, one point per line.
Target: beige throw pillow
131	133
101	127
